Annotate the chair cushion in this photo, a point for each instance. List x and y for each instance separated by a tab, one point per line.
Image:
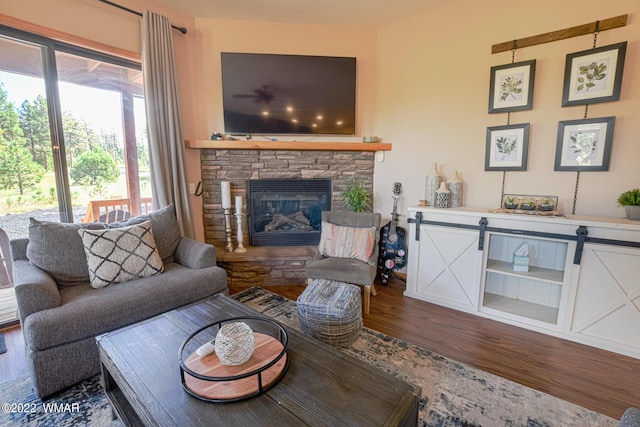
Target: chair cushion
346	242
87	312
121	254
56	248
343	270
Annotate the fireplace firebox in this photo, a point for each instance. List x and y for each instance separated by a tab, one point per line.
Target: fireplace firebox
286	212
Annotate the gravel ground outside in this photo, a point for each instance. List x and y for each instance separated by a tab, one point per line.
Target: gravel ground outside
17	225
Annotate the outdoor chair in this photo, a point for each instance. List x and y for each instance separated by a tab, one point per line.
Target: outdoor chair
6	268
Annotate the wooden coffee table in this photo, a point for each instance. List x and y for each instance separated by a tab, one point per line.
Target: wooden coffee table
322	386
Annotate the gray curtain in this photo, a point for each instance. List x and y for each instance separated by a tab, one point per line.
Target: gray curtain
166	144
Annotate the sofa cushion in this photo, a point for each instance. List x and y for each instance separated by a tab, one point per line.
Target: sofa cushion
346	242
166	230
56	248
121	254
87	312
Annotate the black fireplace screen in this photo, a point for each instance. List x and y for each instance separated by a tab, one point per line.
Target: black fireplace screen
287	212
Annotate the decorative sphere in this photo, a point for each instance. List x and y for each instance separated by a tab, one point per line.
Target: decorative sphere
235	343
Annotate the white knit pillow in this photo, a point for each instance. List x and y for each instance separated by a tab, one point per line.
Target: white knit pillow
120	254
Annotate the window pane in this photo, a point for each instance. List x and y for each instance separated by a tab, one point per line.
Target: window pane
98	108
27	177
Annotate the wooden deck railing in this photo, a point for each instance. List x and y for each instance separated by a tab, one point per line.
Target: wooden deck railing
99	210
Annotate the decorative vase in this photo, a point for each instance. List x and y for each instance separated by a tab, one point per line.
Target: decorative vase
443	196
431	186
235	343
455	186
633	212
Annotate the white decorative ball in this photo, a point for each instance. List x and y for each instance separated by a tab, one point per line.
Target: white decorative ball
235	343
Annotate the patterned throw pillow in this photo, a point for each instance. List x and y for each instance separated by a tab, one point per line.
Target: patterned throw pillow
120	254
347	242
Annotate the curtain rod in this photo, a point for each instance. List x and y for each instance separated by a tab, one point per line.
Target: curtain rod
183	30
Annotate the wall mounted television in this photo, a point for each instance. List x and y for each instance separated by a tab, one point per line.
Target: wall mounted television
288	94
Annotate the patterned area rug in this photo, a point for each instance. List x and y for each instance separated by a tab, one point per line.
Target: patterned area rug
453	394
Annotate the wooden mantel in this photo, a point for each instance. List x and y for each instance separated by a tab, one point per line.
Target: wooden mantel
288	145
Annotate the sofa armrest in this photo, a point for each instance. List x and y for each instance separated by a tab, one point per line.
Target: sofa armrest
35	289
19	248
194	254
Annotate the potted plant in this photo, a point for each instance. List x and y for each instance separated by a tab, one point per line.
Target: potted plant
510	203
355	195
546	205
528	205
631	202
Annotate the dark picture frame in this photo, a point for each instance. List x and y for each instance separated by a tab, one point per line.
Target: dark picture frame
511	87
584	145
593	76
507	148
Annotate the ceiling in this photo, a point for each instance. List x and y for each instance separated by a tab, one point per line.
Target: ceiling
321	12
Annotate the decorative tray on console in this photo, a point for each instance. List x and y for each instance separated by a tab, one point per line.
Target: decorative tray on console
208	379
529	205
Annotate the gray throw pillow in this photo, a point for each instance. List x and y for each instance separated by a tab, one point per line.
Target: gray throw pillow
57	249
166	230
121	254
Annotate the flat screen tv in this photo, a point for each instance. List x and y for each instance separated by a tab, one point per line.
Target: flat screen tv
288	94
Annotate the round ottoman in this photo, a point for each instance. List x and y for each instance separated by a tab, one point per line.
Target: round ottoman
331	312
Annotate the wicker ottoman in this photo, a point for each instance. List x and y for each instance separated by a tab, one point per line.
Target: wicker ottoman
331	312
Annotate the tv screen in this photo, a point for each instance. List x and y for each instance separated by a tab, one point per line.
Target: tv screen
288	94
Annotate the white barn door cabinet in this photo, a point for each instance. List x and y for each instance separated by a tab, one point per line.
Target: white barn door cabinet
581	281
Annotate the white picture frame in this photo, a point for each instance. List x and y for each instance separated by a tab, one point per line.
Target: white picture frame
507	148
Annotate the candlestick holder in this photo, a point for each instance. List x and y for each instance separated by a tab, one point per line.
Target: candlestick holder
227	229
240	221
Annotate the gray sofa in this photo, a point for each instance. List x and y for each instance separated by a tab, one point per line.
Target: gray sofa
61	314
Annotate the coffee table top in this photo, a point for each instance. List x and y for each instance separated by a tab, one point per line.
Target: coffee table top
323	386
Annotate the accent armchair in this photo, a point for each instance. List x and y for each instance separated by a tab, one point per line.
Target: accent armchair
348	250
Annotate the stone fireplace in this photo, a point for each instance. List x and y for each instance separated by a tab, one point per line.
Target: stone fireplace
271	264
240	166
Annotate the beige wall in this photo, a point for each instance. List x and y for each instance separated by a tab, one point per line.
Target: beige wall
433	86
423	85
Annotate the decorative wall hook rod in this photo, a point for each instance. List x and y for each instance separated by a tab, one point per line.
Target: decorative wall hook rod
580	30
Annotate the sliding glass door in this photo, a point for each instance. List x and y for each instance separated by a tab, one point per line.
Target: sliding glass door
72	136
72	133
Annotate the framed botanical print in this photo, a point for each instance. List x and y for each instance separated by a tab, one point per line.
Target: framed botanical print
594	75
584	145
511	87
507	148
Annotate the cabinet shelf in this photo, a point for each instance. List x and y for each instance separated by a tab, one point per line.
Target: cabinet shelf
536	273
521	308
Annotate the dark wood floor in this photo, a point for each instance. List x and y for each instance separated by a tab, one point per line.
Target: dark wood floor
599	380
